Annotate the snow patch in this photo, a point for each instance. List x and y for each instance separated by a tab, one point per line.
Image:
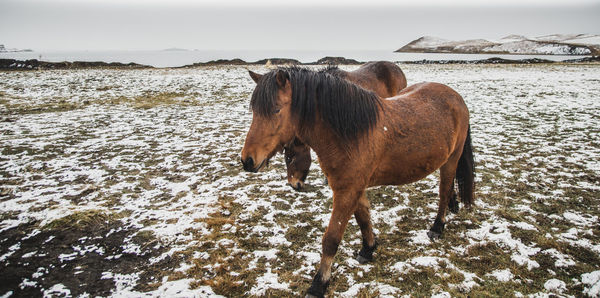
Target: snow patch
592	282
57	290
268	281
502	275
555	286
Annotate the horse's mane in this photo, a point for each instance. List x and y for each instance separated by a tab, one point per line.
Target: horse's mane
347	108
332	69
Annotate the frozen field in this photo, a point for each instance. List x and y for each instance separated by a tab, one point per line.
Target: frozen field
128	183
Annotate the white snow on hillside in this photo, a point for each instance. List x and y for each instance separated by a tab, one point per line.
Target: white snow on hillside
529	47
557	44
590	39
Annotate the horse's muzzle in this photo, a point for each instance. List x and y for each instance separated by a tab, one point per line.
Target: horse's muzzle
248	165
298	185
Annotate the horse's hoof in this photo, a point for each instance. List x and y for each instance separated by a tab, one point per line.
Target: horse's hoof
315	293
434	235
318	287
365	255
453	204
453	207
363	260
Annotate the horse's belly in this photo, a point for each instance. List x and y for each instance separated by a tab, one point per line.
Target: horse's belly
397	170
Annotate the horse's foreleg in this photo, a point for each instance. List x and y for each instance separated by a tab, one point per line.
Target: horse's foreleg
447	172
363	218
344	206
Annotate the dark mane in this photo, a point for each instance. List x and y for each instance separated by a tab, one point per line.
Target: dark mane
332	69
348	109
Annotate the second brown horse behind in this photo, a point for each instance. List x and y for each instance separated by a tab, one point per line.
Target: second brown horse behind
384	78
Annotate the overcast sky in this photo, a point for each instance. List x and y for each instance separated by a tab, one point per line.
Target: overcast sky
297	25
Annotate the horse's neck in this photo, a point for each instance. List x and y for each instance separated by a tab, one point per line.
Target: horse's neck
340	73
347	75
321	139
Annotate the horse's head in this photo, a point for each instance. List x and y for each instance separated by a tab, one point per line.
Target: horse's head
298	160
272	122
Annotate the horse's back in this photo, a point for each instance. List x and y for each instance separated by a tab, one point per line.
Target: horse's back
430	106
430	94
429	112
384	77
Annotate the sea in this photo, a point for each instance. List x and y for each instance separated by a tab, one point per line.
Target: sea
175	58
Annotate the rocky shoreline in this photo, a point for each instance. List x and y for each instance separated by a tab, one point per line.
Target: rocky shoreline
496	60
34	64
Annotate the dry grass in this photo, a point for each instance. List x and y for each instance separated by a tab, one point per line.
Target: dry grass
168	164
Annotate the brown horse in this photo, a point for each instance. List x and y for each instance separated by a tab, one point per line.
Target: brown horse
362	140
384	78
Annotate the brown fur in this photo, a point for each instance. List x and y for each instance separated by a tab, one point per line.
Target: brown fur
424	128
384	78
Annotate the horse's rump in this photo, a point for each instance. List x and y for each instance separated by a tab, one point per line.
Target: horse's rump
421	128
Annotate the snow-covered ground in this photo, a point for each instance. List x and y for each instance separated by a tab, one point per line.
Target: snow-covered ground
128	183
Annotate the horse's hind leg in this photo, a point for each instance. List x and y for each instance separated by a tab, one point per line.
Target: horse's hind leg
363	218
453	204
447	173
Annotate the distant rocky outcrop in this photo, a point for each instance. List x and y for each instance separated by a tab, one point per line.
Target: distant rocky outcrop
496	60
337	61
3	49
583	60
278	61
236	61
558	44
12	64
34	64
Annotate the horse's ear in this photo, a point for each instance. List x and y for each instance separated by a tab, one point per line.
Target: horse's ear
255	76
281	77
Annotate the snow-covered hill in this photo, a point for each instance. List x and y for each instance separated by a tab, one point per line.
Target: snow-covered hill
556	44
3	49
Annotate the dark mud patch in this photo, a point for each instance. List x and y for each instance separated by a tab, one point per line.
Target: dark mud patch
86	252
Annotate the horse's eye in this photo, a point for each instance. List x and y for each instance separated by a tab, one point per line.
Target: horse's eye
289	158
277	111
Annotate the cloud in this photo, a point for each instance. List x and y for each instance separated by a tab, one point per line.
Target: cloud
101	25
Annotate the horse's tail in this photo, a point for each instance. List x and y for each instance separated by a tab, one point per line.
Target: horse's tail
465	172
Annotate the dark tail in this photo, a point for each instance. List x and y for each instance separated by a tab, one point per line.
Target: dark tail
465	172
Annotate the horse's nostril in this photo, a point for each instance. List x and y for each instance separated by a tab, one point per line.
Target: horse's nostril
248	164
298	186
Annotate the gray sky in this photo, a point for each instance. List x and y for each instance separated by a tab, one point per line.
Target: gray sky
267	24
